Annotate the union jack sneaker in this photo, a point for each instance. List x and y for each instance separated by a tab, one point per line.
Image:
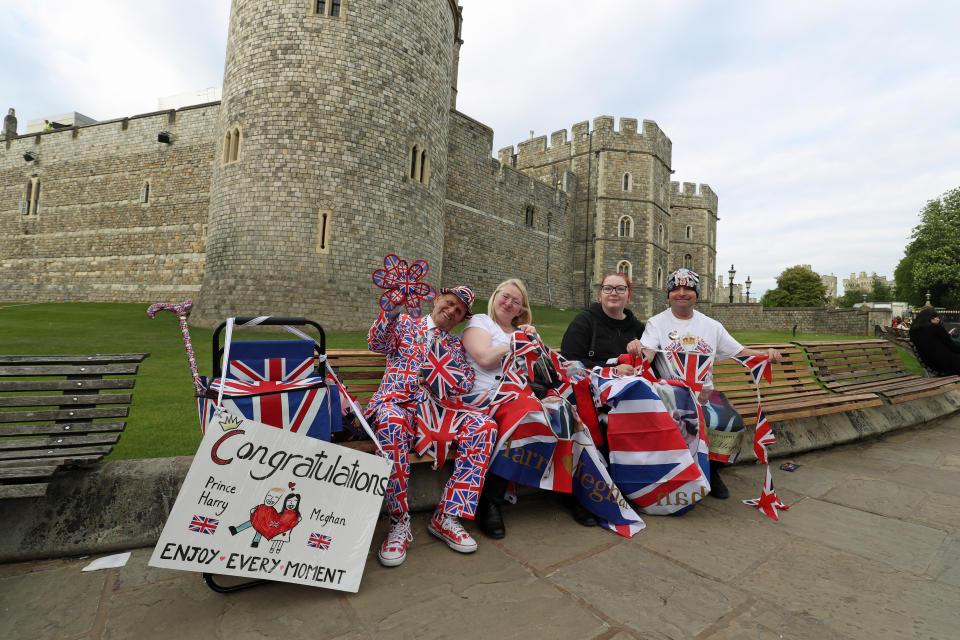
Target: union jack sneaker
449	529
393	551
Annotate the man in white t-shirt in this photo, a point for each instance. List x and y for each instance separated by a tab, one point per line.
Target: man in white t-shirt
681	326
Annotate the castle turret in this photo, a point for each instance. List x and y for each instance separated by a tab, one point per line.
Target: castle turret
693	232
333	133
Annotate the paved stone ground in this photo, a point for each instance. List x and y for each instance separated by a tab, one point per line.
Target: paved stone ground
869	549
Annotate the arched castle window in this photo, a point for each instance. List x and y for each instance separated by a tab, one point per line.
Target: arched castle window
32	200
627	182
419	164
231	145
328	8
626	268
688	261
659	277
323	231
528	215
689	232
145	192
660	234
626	227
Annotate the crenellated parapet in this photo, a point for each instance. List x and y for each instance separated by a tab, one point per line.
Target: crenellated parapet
603	137
693	196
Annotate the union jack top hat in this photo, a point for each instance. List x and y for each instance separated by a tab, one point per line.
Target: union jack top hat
684	278
466	296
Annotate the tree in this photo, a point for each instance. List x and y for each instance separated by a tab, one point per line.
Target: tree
931	261
796	287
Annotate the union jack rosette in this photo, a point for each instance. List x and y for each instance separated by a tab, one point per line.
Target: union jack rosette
402	284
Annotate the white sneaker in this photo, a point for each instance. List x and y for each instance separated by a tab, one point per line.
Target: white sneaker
393	551
449	529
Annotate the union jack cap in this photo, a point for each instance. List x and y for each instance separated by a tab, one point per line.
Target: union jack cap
466	296
684	278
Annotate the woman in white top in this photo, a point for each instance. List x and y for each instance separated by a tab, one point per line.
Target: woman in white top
486	341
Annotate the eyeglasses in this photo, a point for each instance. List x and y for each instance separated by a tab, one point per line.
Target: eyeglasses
611	289
506	297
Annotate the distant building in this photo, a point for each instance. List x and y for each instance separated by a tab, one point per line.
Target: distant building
863	282
830	283
59	121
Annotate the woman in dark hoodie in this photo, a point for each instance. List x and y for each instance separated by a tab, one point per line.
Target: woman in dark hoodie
605	328
935	346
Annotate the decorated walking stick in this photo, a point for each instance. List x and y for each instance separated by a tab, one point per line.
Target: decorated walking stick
181	309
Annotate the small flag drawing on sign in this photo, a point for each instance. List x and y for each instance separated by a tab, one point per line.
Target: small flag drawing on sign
200	524
319	541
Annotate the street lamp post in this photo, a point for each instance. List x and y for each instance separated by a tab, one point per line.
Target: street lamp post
748	283
731	273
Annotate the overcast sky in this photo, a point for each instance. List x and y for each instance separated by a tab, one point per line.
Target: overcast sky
823	127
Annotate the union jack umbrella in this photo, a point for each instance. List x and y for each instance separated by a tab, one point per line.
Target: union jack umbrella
402	284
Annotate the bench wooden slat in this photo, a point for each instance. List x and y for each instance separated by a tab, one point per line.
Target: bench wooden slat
21	473
64	414
68	370
66	400
23	444
60	428
69	456
32	359
66	385
53	461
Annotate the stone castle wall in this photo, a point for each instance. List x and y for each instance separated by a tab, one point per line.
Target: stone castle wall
696	208
488	236
91	238
756	317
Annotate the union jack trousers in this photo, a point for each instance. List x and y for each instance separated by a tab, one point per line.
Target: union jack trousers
399	409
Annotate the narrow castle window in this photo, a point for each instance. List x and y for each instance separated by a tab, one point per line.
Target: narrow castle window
231	145
689	232
627	181
145	192
323	231
626	227
659	277
626	268
528	216
32	199
688	261
329	9
660	233
419	164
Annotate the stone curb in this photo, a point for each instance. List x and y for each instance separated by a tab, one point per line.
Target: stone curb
123	504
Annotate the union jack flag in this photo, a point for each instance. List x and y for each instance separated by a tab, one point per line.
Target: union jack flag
319	541
759	367
303	406
658	450
526	349
443	376
703	346
763	436
690	366
287	360
201	524
768	502
436	429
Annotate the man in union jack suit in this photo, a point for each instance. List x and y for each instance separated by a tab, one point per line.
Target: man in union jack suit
400	408
682	329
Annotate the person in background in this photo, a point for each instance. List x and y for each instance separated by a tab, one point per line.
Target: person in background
684	328
933	343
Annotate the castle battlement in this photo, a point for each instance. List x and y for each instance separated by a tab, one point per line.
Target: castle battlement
693	195
603	137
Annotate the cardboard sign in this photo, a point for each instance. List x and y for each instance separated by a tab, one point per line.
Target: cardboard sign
261	502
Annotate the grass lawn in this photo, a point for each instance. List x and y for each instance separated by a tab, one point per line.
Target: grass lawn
163	419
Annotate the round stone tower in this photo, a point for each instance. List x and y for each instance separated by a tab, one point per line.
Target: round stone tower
333	152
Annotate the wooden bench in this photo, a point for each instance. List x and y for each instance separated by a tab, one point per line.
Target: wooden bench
873	366
52	412
794	392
